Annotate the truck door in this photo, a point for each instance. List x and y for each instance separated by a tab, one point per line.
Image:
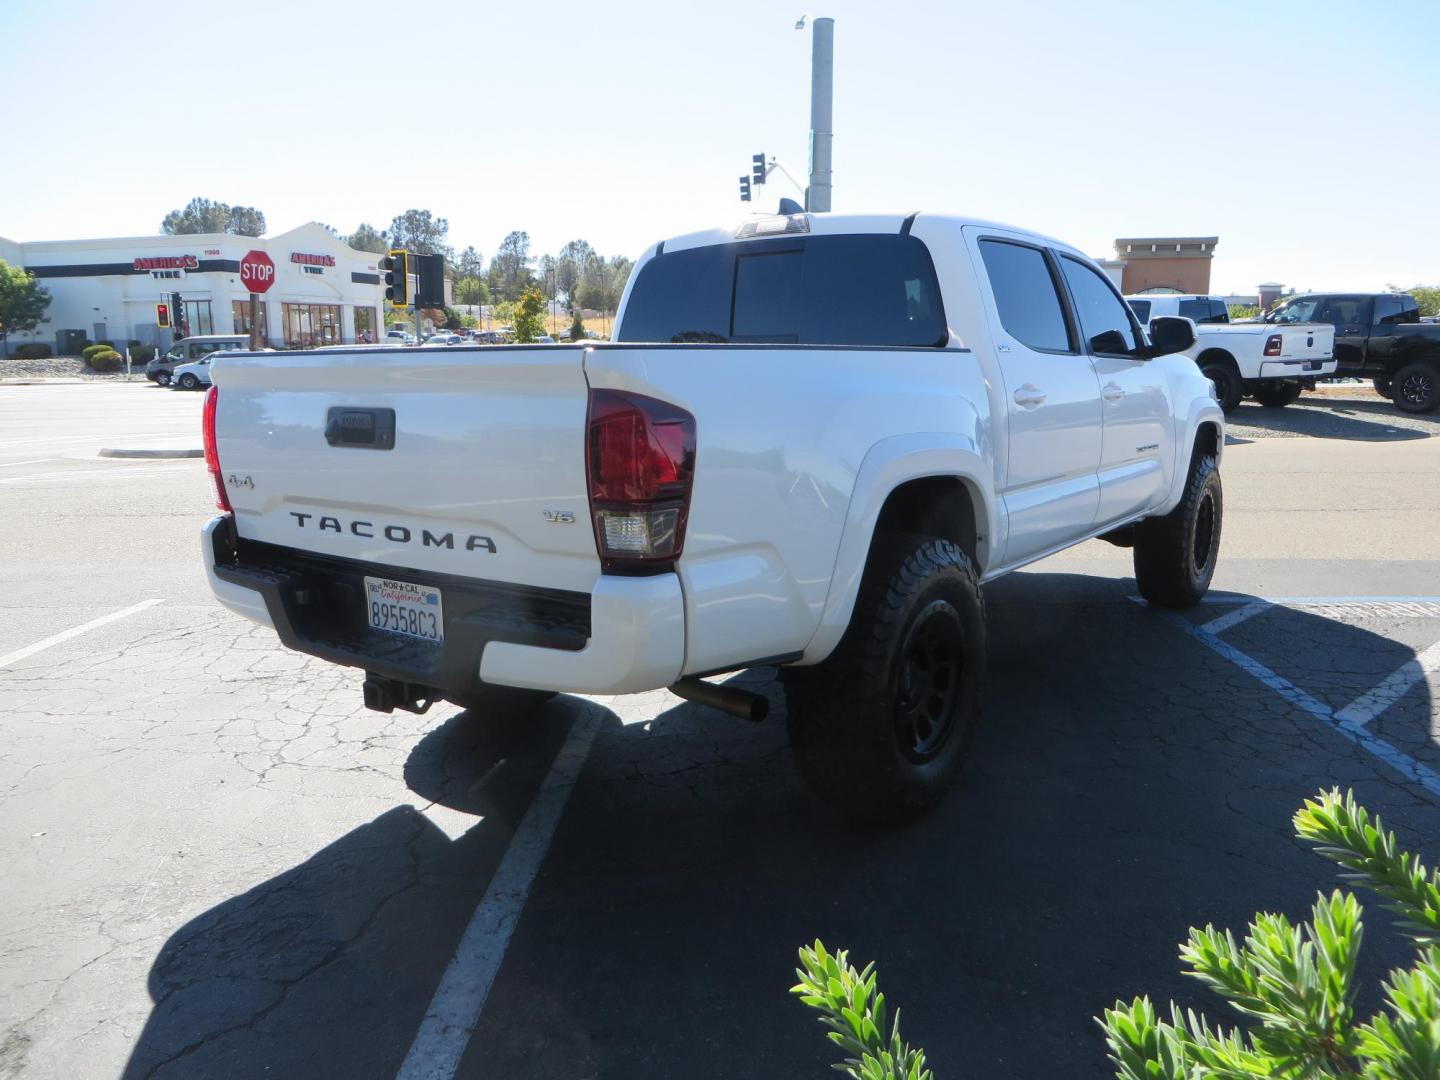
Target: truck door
1052	397
1350	315
1137	451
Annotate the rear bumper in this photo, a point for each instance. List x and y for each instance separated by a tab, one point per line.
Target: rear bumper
1296	369
627	635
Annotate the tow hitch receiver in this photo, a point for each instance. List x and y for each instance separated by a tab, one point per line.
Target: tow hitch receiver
387	695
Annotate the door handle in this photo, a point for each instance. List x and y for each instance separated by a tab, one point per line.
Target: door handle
1029	396
1113	391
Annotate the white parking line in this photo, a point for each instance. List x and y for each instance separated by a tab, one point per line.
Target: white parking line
75	631
107	472
94	438
32	461
1224	622
1397	759
455	1009
1374	702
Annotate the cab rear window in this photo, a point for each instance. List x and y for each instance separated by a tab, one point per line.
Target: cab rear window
865	289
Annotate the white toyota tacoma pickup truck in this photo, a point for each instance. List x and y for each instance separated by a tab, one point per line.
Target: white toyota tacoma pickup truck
810	444
1272	364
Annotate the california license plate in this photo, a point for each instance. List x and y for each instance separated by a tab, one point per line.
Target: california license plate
399	607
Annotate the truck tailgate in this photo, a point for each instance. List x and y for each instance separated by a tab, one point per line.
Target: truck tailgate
1306	341
465	460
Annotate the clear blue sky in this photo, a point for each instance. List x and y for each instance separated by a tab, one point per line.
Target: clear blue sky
1304	135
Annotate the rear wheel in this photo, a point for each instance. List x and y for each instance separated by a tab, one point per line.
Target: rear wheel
188	381
1277	393
1229	389
162	378
1382	385
881	728
1417	387
1175	555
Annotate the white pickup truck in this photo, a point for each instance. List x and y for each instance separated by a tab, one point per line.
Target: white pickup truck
1272	364
811	442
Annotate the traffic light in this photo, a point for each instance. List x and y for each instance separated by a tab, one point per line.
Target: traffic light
177	315
162	316
744	189
430	281
758	169
397	277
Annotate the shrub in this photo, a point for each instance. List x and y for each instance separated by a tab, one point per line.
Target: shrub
106	360
141	354
32	351
91	350
133	344
1295	984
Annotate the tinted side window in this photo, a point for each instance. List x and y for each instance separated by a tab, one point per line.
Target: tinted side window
1387	309
1141	309
872	289
1104	320
1025	295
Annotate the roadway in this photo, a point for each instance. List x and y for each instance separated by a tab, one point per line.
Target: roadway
221	865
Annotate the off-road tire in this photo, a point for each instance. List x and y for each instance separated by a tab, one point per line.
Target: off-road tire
1175	555
1382	385
189	382
880	729
1416	387
1276	394
502	702
1229	387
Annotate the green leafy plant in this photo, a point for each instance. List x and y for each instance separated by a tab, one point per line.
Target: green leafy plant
854	1010
141	354
106	360
90	350
1243	311
32	350
529	315
1295	985
577	328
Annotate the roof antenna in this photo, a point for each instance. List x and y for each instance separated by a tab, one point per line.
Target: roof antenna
790	206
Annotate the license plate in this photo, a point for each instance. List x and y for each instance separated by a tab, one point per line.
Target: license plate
399	607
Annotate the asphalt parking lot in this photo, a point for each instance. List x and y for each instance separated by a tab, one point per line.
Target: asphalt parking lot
219	864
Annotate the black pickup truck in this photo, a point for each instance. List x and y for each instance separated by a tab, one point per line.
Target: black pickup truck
1378	335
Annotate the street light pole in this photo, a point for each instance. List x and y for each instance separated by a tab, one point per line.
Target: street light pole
822	97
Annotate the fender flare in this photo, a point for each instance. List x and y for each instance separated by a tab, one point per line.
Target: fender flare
888	464
1202	411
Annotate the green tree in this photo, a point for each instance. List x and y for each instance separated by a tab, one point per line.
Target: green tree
470	264
204	216
421	232
472	290
577	328
1243	311
529	315
1427	296
510	273
23	301
367	238
569	267
1295	985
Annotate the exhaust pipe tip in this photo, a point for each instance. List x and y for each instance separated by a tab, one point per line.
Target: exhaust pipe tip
746	704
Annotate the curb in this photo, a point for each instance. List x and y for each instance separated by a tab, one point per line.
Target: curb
44	380
108	452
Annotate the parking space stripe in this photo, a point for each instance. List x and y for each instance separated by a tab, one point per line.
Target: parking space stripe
32	461
1374	702
75	631
1224	622
455	1009
1396	758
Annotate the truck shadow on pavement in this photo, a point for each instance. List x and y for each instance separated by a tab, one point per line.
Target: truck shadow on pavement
1128	782
1336	418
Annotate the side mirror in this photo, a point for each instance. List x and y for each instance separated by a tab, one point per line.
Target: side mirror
1170	334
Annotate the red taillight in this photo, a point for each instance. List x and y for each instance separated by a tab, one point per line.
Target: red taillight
1272	345
640	454
212	456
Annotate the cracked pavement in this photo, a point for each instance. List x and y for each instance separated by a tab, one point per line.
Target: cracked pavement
218	864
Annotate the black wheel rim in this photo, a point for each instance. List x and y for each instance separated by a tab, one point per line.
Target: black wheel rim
1202	549
929	680
1418	388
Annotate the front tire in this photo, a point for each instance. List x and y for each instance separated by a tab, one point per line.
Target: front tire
1417	387
162	378
1175	555
1229	388
1276	394
880	729
188	382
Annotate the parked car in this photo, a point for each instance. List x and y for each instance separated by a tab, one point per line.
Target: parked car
444	339
399	337
161	369
1379	336
1242	358
195	375
811	444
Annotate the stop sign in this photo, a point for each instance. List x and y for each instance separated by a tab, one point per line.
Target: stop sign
257	272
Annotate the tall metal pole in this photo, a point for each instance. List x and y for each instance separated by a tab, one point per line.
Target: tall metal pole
822	95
